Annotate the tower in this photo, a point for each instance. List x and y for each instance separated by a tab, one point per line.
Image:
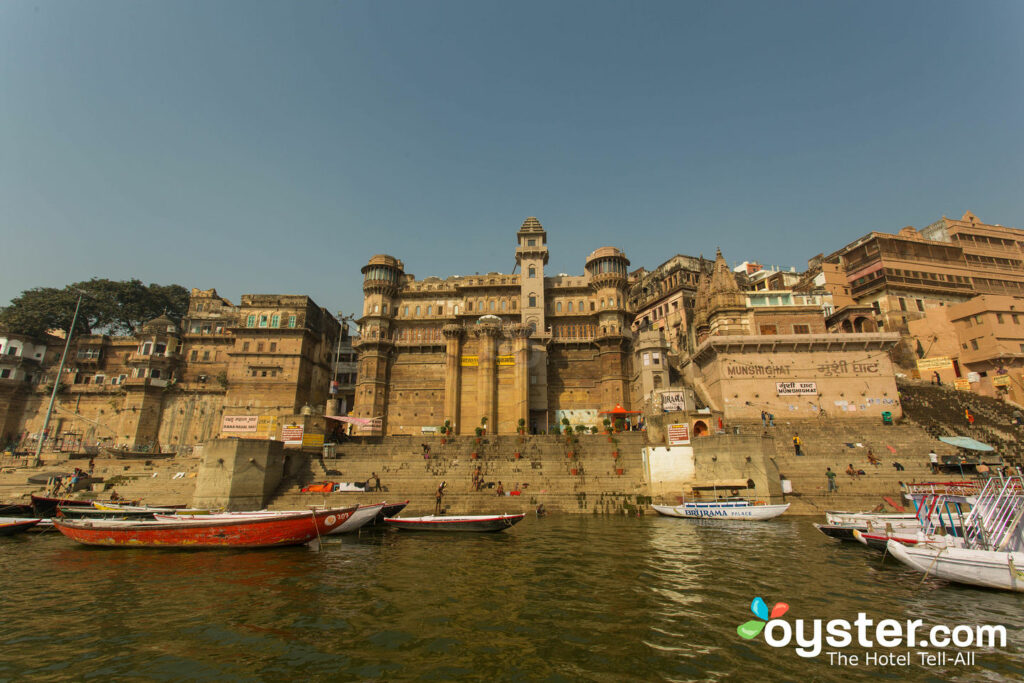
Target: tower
608	271
382	277
531	257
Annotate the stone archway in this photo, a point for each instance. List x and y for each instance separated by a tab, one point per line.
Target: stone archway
700	428
846	326
863	324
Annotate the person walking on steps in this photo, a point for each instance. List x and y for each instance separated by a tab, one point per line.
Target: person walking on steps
438	497
831	476
796	444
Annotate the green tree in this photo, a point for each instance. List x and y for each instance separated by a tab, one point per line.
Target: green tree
109	306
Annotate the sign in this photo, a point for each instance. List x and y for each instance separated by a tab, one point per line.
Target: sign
962	383
234	424
372	425
973	377
292	434
672	401
506	360
312	440
678	434
428	430
931	364
796	388
470	361
267	425
1001	381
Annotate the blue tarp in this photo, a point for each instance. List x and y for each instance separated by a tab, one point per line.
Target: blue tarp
965	442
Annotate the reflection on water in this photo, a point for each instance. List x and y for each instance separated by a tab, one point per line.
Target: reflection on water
559	598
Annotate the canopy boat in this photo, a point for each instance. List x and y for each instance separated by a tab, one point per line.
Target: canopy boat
10	525
455	522
722	509
264	531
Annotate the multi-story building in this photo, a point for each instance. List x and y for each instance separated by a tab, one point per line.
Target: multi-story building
500	350
664	299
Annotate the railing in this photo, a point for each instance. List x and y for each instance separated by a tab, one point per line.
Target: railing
996	515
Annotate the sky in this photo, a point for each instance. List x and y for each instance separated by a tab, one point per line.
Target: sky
274	147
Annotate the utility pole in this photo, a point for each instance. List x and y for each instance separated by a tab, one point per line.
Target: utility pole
56	381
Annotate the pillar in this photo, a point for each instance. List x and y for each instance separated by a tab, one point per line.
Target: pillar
487	374
452	372
521	353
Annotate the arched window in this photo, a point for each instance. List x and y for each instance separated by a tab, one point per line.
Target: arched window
492	305
504	304
417	310
533	301
568	307
430	310
533	272
558	306
456	310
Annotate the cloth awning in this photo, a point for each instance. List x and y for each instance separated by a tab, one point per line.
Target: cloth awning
966	442
364	421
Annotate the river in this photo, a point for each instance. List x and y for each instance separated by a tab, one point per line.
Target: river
558	599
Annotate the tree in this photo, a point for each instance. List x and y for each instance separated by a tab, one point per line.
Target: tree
109	306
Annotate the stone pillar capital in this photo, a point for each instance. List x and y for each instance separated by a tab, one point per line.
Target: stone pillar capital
520	331
453	331
483	330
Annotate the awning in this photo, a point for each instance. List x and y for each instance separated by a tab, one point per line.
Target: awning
363	421
966	442
721	484
619	410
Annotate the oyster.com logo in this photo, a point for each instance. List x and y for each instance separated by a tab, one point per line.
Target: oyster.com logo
750	630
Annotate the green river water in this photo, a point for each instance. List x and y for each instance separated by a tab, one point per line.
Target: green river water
556	599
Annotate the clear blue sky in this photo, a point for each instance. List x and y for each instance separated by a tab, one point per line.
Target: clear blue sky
273	147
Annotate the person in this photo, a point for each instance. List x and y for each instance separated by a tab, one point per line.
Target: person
376	482
541	511
478	479
850	471
796	444
872	459
426	451
764	419
938	380
92	465
114	495
969	416
832	485
1018	419
501	489
771	419
438	497
898	466
933	459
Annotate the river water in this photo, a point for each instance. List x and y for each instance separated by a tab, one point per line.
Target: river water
557	599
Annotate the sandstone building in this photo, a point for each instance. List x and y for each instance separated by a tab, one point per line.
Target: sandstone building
502	350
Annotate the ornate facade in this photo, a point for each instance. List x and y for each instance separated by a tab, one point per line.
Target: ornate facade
495	350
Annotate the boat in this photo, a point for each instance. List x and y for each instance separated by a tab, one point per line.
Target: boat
10	525
16	509
364	515
722	509
389	510
879	540
264	531
45	506
987	568
862	519
455	522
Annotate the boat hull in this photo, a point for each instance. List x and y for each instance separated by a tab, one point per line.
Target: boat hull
17	527
728	511
986	568
360	518
482	523
249	532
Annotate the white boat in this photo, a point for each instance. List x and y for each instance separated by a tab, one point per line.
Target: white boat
860	519
722	509
987	568
360	518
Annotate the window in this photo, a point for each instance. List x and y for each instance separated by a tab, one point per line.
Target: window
456	310
273	346
533	271
647	359
194	356
160	349
769	329
903	304
801	329
146	349
263	321
999	318
469	305
491	307
5	373
291	321
199	307
250	321
384	309
568	307
579	306
405	310
656	358
376	308
974	344
206	355
417	310
430	310
275	320
245	347
259	347
531	243
504	304
155	373
558	306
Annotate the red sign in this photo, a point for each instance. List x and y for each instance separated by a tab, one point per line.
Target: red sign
678	434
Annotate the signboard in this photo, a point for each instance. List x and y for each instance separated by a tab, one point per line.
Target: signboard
312	440
506	360
962	383
678	434
470	361
428	430
931	364
372	425
672	401
267	425
973	377
1001	381
292	434
234	424
796	388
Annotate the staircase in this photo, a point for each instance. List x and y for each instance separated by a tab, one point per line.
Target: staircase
580	477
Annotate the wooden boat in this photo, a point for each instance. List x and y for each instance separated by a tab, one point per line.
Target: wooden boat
722	509
45	506
878	540
455	522
362	516
986	568
16	510
266	531
389	510
861	519
10	526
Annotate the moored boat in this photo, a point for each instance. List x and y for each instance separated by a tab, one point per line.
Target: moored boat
722	509
455	522
878	540
263	531
987	568
389	510
10	526
46	506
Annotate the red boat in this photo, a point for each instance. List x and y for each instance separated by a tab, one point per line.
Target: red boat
249	532
9	527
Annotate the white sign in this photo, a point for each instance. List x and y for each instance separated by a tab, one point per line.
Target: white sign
678	434
292	435
973	377
672	401
796	388
240	423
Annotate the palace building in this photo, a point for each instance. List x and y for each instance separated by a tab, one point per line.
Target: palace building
502	351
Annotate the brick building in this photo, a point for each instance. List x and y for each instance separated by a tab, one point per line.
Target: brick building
501	349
